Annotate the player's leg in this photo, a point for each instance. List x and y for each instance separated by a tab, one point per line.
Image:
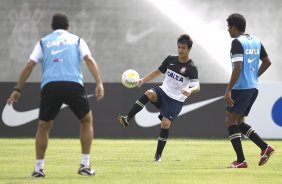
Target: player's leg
49	108
164	133
234	115
149	95
235	138
86	137
41	142
247	130
266	150
78	103
169	110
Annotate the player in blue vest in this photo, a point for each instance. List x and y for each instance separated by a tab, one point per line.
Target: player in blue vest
61	54
242	90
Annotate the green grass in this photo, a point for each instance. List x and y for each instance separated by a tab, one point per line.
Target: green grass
130	161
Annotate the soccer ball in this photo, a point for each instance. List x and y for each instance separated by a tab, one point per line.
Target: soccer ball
130	78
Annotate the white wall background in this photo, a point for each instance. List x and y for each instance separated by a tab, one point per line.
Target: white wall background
108	27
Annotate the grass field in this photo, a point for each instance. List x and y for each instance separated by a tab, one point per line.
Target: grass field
130	161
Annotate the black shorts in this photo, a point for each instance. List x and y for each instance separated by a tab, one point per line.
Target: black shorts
243	101
55	94
169	107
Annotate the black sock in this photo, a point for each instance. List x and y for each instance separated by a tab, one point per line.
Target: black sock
138	106
248	131
235	138
162	140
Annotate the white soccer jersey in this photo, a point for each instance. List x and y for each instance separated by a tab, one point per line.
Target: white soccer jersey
178	76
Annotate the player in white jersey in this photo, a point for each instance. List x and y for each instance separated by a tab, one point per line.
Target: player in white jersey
242	90
180	82
60	54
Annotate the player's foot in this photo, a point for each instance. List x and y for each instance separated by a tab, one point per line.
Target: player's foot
123	120
265	154
158	157
236	164
85	170
38	174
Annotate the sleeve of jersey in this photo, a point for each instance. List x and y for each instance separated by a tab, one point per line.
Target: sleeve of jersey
263	52
236	51
163	66
193	78
84	49
37	54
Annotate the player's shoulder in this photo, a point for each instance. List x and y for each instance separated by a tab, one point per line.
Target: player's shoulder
172	56
192	63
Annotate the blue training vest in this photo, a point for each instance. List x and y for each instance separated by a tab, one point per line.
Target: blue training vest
61	58
248	78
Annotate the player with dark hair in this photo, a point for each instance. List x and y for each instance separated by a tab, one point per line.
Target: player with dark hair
60	54
180	82
242	90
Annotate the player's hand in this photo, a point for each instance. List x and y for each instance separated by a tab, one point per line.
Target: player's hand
99	93
186	92
228	100
140	83
14	97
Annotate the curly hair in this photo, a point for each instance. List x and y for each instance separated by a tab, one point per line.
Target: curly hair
238	21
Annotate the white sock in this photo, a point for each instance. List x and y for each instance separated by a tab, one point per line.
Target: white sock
39	164
85	159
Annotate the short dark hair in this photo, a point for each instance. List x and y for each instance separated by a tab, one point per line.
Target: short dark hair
60	21
238	21
185	39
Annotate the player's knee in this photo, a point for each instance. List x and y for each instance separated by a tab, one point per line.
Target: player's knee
44	126
87	119
165	123
151	95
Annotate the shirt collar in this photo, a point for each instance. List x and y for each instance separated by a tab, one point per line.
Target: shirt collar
60	31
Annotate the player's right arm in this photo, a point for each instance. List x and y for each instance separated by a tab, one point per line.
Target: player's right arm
237	60
151	76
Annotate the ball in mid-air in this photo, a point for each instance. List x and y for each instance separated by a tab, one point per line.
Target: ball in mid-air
130	78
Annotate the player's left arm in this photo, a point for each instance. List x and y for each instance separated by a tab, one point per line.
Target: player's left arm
193	85
265	61
15	95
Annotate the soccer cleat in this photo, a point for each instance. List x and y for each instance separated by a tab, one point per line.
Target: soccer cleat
85	170
123	120
265	154
38	174
235	164
158	157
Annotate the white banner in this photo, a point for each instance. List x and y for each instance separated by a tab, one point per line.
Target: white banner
266	113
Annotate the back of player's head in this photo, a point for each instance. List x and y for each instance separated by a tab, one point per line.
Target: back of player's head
60	21
185	39
237	20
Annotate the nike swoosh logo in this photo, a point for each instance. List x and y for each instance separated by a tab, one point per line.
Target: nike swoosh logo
14	118
251	60
135	37
149	119
54	52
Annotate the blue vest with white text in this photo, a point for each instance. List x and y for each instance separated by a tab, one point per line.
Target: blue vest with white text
61	58
248	78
